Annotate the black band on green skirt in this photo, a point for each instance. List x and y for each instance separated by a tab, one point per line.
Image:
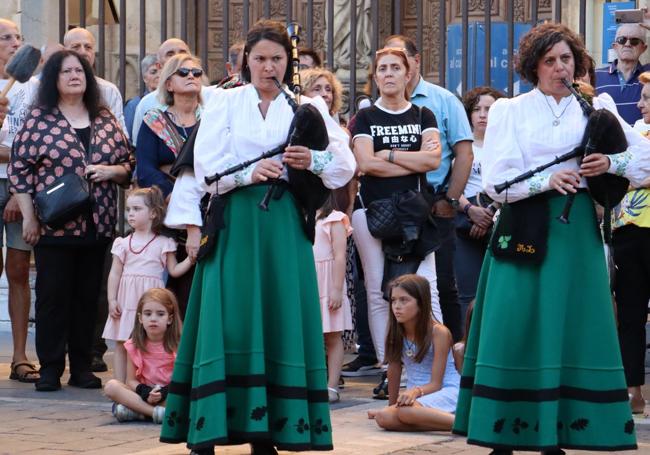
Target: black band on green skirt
250	365
542	366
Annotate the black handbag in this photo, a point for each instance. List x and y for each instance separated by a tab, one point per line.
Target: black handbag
400	216
63	200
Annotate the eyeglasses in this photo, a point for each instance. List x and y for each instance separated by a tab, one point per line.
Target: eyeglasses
9	36
624	39
184	72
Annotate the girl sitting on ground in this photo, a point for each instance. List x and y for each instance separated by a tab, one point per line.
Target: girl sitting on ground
423	345
151	352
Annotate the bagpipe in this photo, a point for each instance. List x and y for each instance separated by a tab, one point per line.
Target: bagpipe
307	129
603	134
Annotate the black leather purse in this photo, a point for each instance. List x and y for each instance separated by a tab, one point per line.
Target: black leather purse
63	200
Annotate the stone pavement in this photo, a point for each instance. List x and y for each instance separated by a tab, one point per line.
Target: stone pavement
74	421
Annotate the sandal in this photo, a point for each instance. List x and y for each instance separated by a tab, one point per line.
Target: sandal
30	374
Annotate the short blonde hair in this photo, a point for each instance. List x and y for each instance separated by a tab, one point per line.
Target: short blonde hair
173	64
309	76
644	77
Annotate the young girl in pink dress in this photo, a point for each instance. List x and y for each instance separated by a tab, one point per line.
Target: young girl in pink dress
330	248
139	261
151	352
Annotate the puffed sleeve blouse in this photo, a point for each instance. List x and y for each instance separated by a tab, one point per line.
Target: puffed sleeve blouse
233	131
521	136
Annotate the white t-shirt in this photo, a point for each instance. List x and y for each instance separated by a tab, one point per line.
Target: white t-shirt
21	96
474	183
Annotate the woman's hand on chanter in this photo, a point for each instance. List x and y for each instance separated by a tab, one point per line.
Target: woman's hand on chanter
594	164
266	169
297	156
565	181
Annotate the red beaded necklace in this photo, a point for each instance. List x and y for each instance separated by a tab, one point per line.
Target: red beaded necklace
144	247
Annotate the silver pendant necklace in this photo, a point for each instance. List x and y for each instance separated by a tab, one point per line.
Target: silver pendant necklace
410	348
556	122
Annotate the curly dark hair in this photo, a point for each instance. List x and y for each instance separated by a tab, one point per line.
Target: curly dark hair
267	29
539	40
48	92
471	99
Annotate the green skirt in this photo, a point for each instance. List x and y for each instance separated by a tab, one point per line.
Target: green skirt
251	365
542	365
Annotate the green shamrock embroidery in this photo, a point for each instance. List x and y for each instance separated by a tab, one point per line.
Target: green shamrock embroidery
503	241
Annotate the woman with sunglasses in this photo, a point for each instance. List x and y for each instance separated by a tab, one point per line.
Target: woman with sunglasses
160	139
395	143
542	368
250	365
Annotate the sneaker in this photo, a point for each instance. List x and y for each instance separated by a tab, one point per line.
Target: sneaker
124	414
158	414
333	395
381	391
360	367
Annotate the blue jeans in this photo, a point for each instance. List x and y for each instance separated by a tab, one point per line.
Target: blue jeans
468	261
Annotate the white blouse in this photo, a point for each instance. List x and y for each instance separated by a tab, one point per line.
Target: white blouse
232	131
520	136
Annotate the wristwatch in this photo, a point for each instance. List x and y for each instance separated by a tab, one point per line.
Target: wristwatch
455	203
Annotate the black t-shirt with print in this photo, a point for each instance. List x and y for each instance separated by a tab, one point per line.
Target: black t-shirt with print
392	131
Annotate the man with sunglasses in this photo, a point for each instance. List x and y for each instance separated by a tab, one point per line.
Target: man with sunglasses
621	78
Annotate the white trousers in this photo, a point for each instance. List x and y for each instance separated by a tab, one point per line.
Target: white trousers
372	261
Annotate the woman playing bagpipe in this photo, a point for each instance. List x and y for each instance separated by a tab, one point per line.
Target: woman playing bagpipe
542	368
250	365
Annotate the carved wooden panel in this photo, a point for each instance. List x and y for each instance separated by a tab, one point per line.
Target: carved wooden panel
499	10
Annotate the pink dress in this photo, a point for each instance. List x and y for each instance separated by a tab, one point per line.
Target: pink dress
153	367
340	319
141	272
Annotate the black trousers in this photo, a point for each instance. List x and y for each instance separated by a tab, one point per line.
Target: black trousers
68	279
447	291
632	257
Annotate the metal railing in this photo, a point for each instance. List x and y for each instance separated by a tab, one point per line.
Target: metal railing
201	24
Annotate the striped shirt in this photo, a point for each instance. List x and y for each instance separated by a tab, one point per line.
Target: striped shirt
626	94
